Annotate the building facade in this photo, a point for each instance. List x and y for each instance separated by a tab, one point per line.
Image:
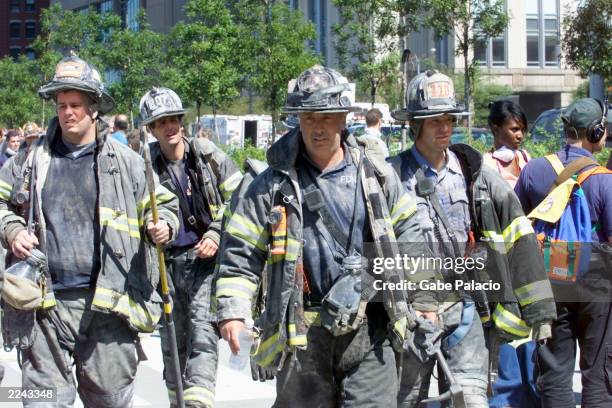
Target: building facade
525	57
19	26
161	14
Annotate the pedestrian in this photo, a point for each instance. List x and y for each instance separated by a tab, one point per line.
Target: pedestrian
31	132
10	146
203	177
121	128
134	141
580	318
91	219
205	133
308	217
373	125
462	205
508	123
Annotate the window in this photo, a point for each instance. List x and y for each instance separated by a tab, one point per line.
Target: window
490	52
15	6
30	5
30	29
30	54
106	6
15	51
15	29
317	13
131	14
542	33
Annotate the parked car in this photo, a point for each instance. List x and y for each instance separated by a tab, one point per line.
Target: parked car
547	125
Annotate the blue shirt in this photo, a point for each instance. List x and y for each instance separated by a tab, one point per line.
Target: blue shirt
538	176
451	190
322	254
120	137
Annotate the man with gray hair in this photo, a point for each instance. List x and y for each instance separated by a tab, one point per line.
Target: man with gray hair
308	218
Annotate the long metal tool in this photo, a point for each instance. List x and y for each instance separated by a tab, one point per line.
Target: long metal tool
163	275
455	392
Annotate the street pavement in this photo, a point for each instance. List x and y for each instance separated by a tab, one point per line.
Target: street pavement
235	389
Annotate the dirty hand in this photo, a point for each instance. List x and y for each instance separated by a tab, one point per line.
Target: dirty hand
433	316
159	232
206	248
230	331
23	243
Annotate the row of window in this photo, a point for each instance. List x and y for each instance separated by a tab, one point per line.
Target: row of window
15	29
28	5
15	52
130	9
542	21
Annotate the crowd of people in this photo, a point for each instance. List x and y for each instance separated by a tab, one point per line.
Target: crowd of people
282	254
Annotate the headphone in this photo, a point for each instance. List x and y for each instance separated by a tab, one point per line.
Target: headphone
597	129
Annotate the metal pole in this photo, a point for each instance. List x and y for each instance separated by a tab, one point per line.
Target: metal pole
168	319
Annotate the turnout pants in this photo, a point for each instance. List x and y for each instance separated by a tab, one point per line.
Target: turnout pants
468	360
591	324
102	346
354	370
197	336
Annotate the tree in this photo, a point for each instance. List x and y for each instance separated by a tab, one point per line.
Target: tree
136	59
273	38
66	31
472	22
365	38
587	44
18	91
202	55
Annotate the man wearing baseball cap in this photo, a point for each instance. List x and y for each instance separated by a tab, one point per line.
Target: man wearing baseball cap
588	322
463	207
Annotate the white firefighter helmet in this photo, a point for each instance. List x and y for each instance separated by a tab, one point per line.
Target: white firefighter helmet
430	94
160	102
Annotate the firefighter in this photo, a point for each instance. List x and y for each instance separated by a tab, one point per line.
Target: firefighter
203	178
92	220
309	217
462	203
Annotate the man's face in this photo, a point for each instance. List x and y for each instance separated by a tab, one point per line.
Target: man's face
75	116
167	130
14	142
321	132
435	133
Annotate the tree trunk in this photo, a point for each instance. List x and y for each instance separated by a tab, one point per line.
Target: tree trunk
373	93
273	98
216	136
467	80
198	109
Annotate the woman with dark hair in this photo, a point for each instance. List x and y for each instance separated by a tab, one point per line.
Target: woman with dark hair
509	125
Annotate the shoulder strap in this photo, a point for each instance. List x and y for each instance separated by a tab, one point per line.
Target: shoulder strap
590	172
573	168
554	161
